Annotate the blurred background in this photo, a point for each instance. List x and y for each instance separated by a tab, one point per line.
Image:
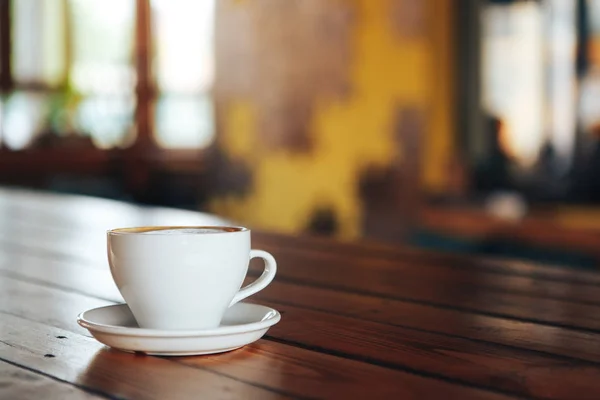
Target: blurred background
457	125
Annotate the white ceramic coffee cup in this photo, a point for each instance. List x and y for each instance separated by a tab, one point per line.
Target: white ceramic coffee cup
183	277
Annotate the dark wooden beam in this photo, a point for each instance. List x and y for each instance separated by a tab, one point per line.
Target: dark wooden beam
5	47
143	62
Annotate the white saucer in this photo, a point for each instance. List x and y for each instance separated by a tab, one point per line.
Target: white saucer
115	326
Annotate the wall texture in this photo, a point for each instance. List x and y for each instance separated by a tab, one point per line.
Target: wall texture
323	105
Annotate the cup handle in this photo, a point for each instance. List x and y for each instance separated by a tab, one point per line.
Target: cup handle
263	280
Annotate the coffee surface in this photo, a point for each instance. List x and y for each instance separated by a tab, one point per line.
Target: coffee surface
178	230
185	231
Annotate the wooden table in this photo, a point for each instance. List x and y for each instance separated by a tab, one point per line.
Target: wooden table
359	320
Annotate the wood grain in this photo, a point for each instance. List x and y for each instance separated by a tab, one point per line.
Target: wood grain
463	273
366	249
475	363
450	271
90	249
388	279
74	358
518	372
473	298
89	215
315	374
358	319
83	215
564	342
19	383
271	365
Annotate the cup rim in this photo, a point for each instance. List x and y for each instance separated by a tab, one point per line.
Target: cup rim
139	230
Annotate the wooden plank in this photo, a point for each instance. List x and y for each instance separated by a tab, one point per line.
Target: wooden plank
91	249
507	332
552	340
387	281
18	383
465	270
265	364
471	271
472	298
439	285
514	371
438	273
46	211
321	375
370	250
35	302
73	358
459	360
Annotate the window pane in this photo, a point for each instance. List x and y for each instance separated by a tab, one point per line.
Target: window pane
513	86
24	117
183	44
184	121
39	41
108	120
102	69
40	117
183	68
102	40
561	111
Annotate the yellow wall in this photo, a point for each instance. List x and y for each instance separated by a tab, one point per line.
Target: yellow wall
388	71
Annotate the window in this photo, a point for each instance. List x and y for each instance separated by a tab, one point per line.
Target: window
530	80
102	73
183	69
38	46
512	71
75	73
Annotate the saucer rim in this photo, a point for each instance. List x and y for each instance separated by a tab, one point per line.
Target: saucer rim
273	317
